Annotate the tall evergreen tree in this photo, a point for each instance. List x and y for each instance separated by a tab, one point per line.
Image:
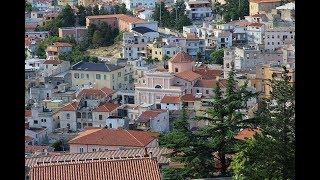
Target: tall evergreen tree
95	10
67	17
188	150
225	119
271	153
81	15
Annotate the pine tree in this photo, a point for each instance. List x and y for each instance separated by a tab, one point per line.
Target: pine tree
188	150
81	15
271	153
225	119
67	17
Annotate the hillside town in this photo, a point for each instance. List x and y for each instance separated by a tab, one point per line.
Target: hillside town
159	89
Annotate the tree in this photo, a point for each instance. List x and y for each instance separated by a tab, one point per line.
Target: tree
271	153
67	17
233	9
97	39
198	56
95	10
217	56
225	120
28	7
188	150
81	15
42	46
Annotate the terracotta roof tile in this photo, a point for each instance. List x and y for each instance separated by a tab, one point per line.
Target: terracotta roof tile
61	44
113	137
171	99
149	114
53	62
27	138
208	73
157	152
181	57
27	113
188	76
255	24
142	168
206	83
106	107
188	98
71	106
35	148
246	133
191	36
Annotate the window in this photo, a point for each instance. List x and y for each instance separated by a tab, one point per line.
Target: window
68	116
278	43
81	150
207	91
268	43
84	115
176	70
119	74
167	104
142	40
129	54
110	125
158	97
98	76
272	43
248	55
278	36
89	115
158	87
272	36
291	36
78	115
100	117
35	122
125	78
87	76
168	52
89	124
93	150
112	76
104	77
76	75
268	37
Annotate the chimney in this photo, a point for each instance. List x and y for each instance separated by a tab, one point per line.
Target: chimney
146	152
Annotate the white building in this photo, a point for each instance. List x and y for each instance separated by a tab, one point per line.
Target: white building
116	122
42	117
135	42
154	120
275	38
39	135
171	103
255	33
146	14
131	4
198	9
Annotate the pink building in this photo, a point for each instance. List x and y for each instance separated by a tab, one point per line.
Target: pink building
181	62
151	88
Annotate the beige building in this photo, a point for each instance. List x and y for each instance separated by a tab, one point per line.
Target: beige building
263	76
159	50
101	75
257	6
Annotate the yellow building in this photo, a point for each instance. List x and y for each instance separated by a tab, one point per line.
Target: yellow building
263	76
159	50
67	2
101	75
256	6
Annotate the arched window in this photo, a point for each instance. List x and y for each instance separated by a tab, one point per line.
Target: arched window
158	87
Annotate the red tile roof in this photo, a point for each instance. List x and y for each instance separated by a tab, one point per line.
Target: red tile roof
188	76
27	113
188	98
246	133
170	99
53	62
205	83
255	24
149	114
104	92
142	168
158	152
113	137
61	44
27	138
181	57
208	73
71	106
35	148
106	107
191	36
